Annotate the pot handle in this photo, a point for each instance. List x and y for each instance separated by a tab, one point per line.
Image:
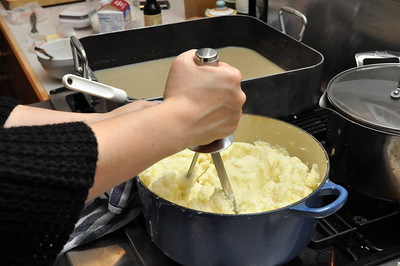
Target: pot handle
329	188
81	64
325	103
360	57
77	83
294	13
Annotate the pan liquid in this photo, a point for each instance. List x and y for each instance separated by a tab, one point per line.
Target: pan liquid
147	79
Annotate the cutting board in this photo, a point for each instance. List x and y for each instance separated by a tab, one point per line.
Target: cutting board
11	4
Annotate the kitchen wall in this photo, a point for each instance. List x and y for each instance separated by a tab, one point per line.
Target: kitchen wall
341	28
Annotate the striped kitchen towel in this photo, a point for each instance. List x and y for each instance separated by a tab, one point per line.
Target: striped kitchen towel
105	214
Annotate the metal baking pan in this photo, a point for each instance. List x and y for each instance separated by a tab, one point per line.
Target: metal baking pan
279	95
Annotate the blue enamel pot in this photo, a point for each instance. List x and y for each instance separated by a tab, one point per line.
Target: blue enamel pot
191	237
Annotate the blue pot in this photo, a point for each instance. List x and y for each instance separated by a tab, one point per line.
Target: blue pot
191	237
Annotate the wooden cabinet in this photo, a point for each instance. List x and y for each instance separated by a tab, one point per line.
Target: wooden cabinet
13	81
6	87
17	78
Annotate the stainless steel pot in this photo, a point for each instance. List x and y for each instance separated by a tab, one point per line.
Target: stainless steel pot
363	139
191	237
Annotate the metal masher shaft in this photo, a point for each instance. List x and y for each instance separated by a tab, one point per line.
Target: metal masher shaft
210	56
223	178
192	165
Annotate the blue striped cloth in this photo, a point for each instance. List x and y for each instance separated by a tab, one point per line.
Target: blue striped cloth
105	214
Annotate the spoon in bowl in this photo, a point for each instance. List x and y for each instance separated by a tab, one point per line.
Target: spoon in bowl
42	51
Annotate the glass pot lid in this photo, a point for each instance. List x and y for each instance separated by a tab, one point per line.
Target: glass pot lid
369	95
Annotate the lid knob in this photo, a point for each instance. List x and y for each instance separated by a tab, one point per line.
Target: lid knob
395	94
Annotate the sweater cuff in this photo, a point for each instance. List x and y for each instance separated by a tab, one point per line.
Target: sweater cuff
6	107
44	179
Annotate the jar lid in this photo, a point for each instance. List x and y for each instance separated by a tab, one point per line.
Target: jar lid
220	10
369	95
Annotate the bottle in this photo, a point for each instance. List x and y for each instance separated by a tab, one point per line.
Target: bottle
92	7
230	4
136	16
152	13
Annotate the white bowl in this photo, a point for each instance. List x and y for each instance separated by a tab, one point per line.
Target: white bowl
62	62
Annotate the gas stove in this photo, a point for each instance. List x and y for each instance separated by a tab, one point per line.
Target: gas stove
352	236
364	232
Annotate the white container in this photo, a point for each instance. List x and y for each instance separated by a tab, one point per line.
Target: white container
115	16
92	7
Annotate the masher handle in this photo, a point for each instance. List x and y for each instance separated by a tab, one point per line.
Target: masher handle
210	57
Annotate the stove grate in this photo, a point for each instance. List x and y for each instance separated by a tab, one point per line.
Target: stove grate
313	121
364	231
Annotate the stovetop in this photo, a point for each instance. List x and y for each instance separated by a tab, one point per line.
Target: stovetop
364	232
353	236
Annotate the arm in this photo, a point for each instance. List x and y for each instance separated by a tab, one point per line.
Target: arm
201	104
24	115
47	170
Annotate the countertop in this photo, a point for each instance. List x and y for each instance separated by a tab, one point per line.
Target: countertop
18	37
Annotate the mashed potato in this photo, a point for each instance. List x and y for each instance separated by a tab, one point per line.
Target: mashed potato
263	178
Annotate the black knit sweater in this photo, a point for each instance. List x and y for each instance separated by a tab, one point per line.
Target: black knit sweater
45	175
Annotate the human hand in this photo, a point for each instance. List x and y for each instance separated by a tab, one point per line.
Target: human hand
207	99
201	104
